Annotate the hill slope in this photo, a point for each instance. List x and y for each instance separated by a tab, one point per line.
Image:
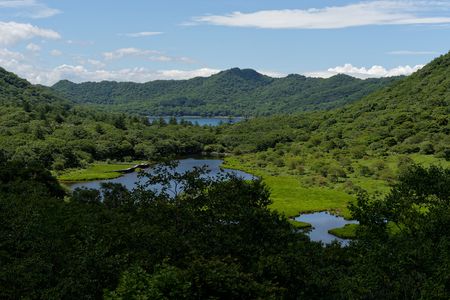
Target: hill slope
37	125
233	92
362	145
401	118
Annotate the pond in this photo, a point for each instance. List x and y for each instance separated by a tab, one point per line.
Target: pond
129	180
201	121
322	222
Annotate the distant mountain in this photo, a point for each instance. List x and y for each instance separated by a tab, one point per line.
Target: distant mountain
238	92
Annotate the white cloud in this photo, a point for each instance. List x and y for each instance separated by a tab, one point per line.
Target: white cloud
96	63
273	74
29	8
408	52
362	72
150	55
126	52
12	33
181	74
80	43
33	47
80	73
359	14
88	70
142	34
56	52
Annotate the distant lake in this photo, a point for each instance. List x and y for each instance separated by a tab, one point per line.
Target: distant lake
322	222
201	121
129	180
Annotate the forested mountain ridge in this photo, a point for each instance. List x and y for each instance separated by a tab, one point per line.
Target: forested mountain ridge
398	118
361	145
17	91
237	92
38	126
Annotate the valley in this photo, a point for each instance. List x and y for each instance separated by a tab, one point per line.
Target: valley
374	151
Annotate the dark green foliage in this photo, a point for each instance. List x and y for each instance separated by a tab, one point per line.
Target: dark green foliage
233	92
216	240
404	241
213	240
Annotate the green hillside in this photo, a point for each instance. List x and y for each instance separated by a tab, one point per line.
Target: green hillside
36	125
363	145
233	92
221	238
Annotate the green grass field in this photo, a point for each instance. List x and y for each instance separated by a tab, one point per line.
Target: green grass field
290	198
346	232
97	171
299	224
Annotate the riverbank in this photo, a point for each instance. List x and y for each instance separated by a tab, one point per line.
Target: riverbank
96	171
346	232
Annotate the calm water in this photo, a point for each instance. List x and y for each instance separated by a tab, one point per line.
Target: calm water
215	121
129	180
321	223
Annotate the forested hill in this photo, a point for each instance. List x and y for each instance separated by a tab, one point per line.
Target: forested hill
410	116
233	92
17	91
38	126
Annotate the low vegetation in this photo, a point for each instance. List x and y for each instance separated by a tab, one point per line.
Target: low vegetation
96	171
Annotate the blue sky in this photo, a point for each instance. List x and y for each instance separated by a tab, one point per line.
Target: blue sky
137	40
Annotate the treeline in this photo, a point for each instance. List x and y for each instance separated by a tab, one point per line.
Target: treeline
234	92
216	240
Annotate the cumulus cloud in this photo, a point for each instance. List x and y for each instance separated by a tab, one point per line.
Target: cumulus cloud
33	47
359	14
56	52
150	55
78	73
183	74
96	63
11	33
29	8
142	34
273	74
125	52
88	70
362	72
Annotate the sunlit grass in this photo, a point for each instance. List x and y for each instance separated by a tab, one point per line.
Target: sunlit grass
97	171
291	198
346	232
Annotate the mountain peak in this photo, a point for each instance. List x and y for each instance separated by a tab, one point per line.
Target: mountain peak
247	74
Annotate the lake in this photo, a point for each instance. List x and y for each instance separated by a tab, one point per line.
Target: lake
322	222
129	180
201	121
